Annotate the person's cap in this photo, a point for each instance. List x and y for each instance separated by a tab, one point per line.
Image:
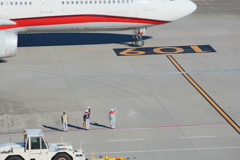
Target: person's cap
88	107
64	112
86	111
111	109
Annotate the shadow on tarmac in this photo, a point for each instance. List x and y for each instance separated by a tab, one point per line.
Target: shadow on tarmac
99	125
3	61
77	127
52	128
69	125
62	39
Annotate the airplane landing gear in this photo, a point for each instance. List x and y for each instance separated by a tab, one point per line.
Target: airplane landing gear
137	37
137	41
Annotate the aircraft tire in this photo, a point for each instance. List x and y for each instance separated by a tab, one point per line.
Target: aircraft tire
139	43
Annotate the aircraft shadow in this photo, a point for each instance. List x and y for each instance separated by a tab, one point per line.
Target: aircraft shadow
99	125
62	39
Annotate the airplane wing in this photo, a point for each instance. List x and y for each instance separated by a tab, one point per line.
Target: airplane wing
4	21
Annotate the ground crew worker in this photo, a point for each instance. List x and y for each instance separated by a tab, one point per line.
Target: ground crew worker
64	119
112	117
86	117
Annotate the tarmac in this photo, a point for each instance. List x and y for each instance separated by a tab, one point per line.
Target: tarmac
161	113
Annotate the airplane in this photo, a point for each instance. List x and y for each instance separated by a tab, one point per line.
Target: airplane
45	16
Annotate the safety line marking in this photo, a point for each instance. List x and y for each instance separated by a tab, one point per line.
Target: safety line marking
169	150
134	128
205	95
199	137
115	75
125	140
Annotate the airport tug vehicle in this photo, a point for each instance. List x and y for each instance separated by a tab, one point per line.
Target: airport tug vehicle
35	147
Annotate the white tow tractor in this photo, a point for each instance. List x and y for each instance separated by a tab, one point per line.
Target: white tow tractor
35	147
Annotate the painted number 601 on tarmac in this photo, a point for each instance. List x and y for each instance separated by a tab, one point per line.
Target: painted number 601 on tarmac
163	50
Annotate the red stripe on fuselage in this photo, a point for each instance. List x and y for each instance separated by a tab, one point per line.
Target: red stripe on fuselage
58	20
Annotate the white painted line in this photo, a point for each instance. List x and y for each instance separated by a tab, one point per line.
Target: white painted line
125	140
170	150
199	137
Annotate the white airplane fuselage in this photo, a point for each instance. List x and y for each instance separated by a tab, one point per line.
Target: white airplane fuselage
26	16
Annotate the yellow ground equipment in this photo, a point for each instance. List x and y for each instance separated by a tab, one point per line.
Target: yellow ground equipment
107	158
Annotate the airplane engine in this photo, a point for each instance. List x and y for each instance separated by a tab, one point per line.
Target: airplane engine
8	43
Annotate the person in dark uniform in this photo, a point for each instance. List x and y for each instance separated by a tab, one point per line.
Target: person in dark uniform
86	118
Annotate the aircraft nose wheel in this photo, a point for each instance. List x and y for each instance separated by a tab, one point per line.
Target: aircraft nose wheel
137	37
138	43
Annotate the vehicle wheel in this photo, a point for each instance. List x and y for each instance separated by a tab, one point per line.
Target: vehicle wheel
62	156
14	158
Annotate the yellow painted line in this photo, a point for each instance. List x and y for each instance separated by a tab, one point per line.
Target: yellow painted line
205	95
